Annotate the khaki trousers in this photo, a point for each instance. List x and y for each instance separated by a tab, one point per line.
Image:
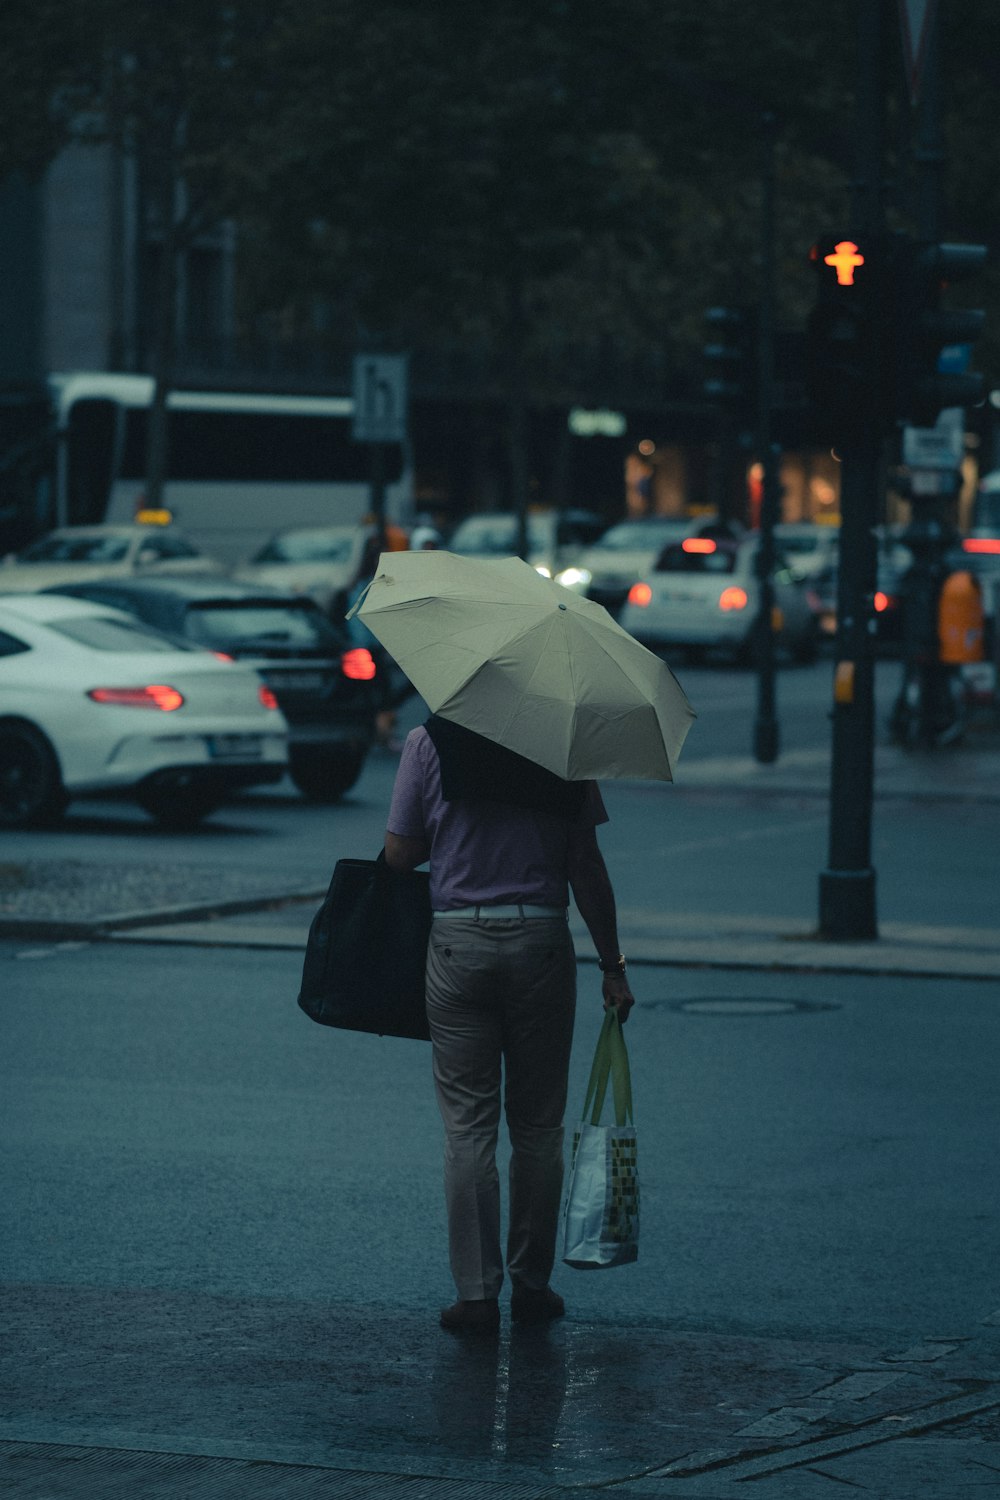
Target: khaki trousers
501	997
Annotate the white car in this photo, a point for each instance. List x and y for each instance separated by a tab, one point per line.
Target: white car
93	702
555	538
321	561
704	592
75	554
606	571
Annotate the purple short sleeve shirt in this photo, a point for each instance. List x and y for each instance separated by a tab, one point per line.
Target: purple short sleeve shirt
483	852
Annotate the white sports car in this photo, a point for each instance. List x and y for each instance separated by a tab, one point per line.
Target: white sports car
93	702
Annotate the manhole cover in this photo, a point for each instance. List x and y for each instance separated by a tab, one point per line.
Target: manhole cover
710	1005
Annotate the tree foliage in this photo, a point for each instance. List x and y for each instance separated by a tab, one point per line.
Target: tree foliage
541	179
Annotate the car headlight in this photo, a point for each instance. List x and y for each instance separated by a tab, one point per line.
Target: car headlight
574	578
541	568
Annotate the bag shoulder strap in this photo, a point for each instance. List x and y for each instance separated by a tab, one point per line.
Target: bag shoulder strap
610	1061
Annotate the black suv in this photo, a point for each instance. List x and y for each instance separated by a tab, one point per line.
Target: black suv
328	689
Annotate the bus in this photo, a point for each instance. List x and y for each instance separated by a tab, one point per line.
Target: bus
241	465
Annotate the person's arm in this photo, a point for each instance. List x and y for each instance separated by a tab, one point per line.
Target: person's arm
406	850
402	853
595	899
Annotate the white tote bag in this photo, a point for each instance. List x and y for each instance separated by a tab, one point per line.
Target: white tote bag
601	1212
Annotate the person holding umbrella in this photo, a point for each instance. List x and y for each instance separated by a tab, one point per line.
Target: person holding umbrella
497	790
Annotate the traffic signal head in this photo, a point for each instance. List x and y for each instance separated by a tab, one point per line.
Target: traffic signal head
730	363
930	338
846	336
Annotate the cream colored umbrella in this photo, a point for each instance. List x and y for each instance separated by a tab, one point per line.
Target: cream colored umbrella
494	646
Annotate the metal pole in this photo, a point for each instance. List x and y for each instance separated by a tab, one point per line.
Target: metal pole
765	734
378	469
930	531
847	885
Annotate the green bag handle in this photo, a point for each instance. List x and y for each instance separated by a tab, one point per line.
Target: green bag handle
610	1061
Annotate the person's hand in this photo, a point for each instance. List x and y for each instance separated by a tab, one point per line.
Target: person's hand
617	995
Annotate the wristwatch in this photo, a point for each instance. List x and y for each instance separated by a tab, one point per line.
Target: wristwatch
617	967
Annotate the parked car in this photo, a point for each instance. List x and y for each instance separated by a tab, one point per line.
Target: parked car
74	554
91	701
704	592
606	571
327	687
555	538
321	561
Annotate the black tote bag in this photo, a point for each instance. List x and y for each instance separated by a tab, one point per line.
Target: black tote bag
367	948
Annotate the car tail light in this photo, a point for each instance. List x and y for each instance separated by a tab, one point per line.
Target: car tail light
223	656
981	544
882	602
266	696
698	544
156	695
733	598
358	665
641	594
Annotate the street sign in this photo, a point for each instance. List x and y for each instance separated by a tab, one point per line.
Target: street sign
380	398
939	447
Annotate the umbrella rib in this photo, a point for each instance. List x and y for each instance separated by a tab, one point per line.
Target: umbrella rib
594	629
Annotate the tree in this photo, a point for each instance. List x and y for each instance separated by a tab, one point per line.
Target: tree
172	86
546	187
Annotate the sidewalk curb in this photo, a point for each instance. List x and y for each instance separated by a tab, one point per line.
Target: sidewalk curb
102	926
772	952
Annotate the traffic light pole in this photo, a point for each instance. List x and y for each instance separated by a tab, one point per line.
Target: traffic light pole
847	886
765	730
923	708
847	909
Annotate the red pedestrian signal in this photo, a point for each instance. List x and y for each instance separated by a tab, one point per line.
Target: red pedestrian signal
844	258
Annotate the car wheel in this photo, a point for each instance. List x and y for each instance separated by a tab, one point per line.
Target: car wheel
325	778
177	807
31	790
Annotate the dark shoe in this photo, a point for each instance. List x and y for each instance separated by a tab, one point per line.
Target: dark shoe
472	1317
528	1306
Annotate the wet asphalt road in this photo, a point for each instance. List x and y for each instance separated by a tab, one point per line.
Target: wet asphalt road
223	1229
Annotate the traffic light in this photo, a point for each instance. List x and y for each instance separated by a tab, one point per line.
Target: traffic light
730	360
926	332
848	337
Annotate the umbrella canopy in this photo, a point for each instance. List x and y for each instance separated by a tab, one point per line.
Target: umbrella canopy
494	646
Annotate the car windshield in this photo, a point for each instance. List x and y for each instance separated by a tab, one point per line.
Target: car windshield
102	633
496	536
986	512
308	546
97	549
639	536
232	623
706	557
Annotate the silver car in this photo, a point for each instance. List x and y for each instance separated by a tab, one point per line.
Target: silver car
320	561
704	592
606	571
555	538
